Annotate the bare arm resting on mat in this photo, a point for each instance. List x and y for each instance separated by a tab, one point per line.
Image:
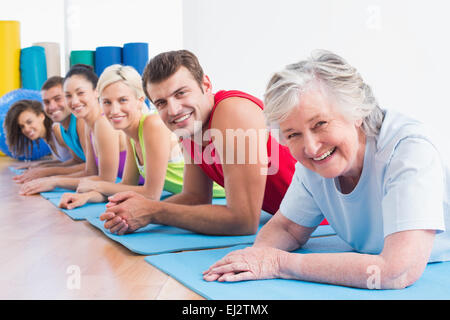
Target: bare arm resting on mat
401	262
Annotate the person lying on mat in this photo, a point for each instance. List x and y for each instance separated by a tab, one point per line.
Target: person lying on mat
104	147
205	122
67	131
154	151
26	122
374	174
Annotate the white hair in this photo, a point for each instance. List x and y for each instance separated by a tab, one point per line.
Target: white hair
335	77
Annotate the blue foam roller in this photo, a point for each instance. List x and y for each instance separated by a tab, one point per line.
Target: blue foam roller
135	54
106	56
6	102
33	67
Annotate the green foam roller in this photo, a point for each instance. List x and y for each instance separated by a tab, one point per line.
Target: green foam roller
82	56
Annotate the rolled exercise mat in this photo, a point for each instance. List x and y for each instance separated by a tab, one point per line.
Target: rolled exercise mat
106	56
33	67
135	54
82	56
52	57
9	56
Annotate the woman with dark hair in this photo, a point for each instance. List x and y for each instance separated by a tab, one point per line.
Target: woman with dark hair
105	147
26	122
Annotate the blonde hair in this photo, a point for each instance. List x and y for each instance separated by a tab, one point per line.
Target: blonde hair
126	74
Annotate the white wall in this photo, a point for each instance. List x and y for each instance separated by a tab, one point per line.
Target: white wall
40	21
400	47
93	23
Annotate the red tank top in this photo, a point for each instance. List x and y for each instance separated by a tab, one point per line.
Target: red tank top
280	161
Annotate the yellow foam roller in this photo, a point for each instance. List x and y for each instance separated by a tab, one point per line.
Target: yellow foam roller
9	56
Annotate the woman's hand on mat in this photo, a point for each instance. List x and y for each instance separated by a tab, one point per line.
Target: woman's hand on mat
73	200
37	186
126	212
29	175
251	263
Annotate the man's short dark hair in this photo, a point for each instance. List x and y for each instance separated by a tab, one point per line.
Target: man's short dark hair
52	82
165	64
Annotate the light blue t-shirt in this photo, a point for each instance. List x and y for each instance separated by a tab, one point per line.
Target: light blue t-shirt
404	185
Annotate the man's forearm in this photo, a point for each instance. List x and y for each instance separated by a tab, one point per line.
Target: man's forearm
205	219
188	199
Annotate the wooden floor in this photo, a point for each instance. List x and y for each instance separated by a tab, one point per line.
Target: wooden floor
46	255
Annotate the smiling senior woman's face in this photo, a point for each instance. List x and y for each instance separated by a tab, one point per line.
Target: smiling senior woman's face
322	139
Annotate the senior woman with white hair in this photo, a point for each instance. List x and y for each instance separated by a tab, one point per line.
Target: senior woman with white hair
374	174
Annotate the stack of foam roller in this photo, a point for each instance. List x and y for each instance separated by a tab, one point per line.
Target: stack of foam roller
133	54
28	68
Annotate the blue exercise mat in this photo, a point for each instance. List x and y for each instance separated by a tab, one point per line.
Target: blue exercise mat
16	171
187	268
55	193
156	239
58	192
88	211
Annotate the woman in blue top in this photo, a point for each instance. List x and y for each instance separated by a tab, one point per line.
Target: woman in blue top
374	174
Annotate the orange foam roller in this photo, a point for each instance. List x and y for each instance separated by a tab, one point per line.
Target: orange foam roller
9	56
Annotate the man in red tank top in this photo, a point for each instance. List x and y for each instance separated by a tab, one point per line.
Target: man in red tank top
224	139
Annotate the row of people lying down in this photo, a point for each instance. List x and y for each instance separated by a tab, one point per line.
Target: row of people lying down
91	126
376	176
